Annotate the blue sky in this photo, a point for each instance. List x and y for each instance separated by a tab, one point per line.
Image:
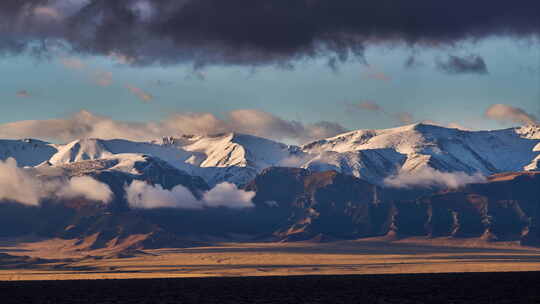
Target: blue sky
309	92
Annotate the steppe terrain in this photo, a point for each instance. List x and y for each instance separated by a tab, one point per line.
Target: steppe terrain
66	260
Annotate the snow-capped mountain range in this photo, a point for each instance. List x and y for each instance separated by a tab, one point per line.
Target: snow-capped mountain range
372	155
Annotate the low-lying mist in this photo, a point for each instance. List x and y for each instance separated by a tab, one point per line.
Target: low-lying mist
141	195
18	185
430	178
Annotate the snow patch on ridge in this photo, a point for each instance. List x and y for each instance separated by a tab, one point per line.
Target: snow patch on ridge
373	155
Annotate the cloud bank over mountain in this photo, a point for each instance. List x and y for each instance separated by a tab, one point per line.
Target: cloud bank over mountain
86	187
429	177
141	195
85	124
19	185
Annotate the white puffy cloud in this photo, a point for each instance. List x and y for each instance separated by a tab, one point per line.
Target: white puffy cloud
428	177
18	185
85	124
228	195
506	113
86	187
141	195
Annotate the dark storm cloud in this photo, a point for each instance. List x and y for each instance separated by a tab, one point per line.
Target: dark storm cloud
249	32
472	64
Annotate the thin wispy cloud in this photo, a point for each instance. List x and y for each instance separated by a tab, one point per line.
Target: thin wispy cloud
471	64
509	114
373	72
142	95
452	125
369	106
97	76
47	12
121	58
412	62
73	63
196	74
103	78
162	83
23	94
405	118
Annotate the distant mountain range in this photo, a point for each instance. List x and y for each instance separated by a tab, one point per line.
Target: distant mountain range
372	155
416	180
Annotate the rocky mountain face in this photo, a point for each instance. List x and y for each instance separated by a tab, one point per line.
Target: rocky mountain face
308	204
102	224
293	204
333	205
504	208
330	189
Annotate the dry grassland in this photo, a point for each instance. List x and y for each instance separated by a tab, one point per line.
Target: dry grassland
368	256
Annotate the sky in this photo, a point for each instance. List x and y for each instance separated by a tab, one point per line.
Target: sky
139	69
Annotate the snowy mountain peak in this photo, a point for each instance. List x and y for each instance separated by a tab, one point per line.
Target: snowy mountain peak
405	139
27	152
370	154
79	150
222	157
229	149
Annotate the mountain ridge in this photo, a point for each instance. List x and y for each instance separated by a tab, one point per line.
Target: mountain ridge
373	155
330	189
